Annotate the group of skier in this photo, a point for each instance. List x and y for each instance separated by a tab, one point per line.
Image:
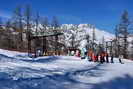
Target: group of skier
95	57
101	57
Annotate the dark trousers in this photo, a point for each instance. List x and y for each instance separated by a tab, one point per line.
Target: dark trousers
112	60
107	59
102	59
120	61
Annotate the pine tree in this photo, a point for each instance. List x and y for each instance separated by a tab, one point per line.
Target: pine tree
37	41
122	34
37	20
8	42
93	39
117	46
103	42
74	33
45	24
27	18
18	25
88	41
55	25
1	23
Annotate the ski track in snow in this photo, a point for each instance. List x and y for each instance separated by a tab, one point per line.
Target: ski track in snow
62	72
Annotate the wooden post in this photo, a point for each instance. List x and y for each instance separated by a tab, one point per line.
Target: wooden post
44	44
56	44
29	43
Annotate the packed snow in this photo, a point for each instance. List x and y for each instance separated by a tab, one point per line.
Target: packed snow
62	72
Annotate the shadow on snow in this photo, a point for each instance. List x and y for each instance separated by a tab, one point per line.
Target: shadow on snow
65	81
117	83
42	59
55	81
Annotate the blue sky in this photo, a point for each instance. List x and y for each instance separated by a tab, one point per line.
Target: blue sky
104	14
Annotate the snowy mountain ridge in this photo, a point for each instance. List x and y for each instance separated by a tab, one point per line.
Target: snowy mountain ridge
89	29
80	31
83	29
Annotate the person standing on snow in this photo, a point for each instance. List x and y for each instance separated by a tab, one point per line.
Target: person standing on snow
77	53
107	58
84	53
90	55
101	58
120	57
69	53
112	58
103	54
72	53
96	57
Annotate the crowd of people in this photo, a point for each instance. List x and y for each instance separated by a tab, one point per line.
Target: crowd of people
101	57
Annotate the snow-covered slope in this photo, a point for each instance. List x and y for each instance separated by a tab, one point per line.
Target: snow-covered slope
5	54
64	72
11	53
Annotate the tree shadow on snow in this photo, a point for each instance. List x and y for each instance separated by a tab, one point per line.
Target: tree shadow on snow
53	81
2	56
125	82
95	71
43	59
32	70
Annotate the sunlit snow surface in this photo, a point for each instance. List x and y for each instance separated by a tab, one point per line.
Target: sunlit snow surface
17	71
